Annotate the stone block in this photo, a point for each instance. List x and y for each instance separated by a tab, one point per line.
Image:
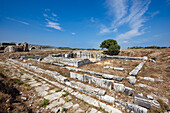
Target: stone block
107	99
142	101
119	87
128	91
135	108
132	80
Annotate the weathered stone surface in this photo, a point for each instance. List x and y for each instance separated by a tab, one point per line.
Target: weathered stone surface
24	98
86	98
152	60
67	61
135	71
149	79
53	96
42	90
132	80
35	84
135	108
141	85
56	103
10	49
68	105
142	101
106	76
57	64
108	99
115	68
128	91
84	54
126	57
87	89
150	97
92	80
80	111
155	103
92	110
119	87
75	107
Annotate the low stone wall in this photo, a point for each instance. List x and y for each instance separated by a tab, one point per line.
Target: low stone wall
73	62
125	57
67	61
123	89
92	80
106	76
135	108
84	54
135	71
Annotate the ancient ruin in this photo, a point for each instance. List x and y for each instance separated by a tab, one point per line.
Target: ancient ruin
73	79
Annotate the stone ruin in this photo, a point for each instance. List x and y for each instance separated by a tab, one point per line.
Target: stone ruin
14	47
66	59
136	102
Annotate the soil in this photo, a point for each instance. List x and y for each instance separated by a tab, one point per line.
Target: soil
10	97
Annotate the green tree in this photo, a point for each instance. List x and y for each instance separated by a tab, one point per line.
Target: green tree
111	45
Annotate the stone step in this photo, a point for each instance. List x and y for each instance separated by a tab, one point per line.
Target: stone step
83	97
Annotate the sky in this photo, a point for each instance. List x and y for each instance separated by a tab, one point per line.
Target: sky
85	23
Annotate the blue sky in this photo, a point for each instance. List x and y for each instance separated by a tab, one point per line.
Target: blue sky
85	23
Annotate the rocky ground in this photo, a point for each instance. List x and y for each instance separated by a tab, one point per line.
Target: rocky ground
25	90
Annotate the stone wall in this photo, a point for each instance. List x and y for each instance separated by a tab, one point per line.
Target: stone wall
92	80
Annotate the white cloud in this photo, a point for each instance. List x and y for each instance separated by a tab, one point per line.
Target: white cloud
129	13
52	20
125	42
115	30
129	34
17	21
54	14
155	13
73	33
54	25
92	19
47	10
45	15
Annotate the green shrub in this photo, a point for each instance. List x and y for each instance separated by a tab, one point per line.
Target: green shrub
58	90
65	94
64	109
18	81
26	84
44	103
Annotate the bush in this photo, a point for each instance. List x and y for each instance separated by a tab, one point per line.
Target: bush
111	45
44	103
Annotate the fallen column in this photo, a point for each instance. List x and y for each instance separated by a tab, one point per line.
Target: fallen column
135	71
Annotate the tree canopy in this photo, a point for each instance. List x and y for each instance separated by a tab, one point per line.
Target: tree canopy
111	45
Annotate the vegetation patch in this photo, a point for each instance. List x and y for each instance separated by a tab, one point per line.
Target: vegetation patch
64	109
44	103
18	81
65	94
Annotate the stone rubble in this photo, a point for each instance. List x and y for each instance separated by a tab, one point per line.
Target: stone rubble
115	68
140	102
83	97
